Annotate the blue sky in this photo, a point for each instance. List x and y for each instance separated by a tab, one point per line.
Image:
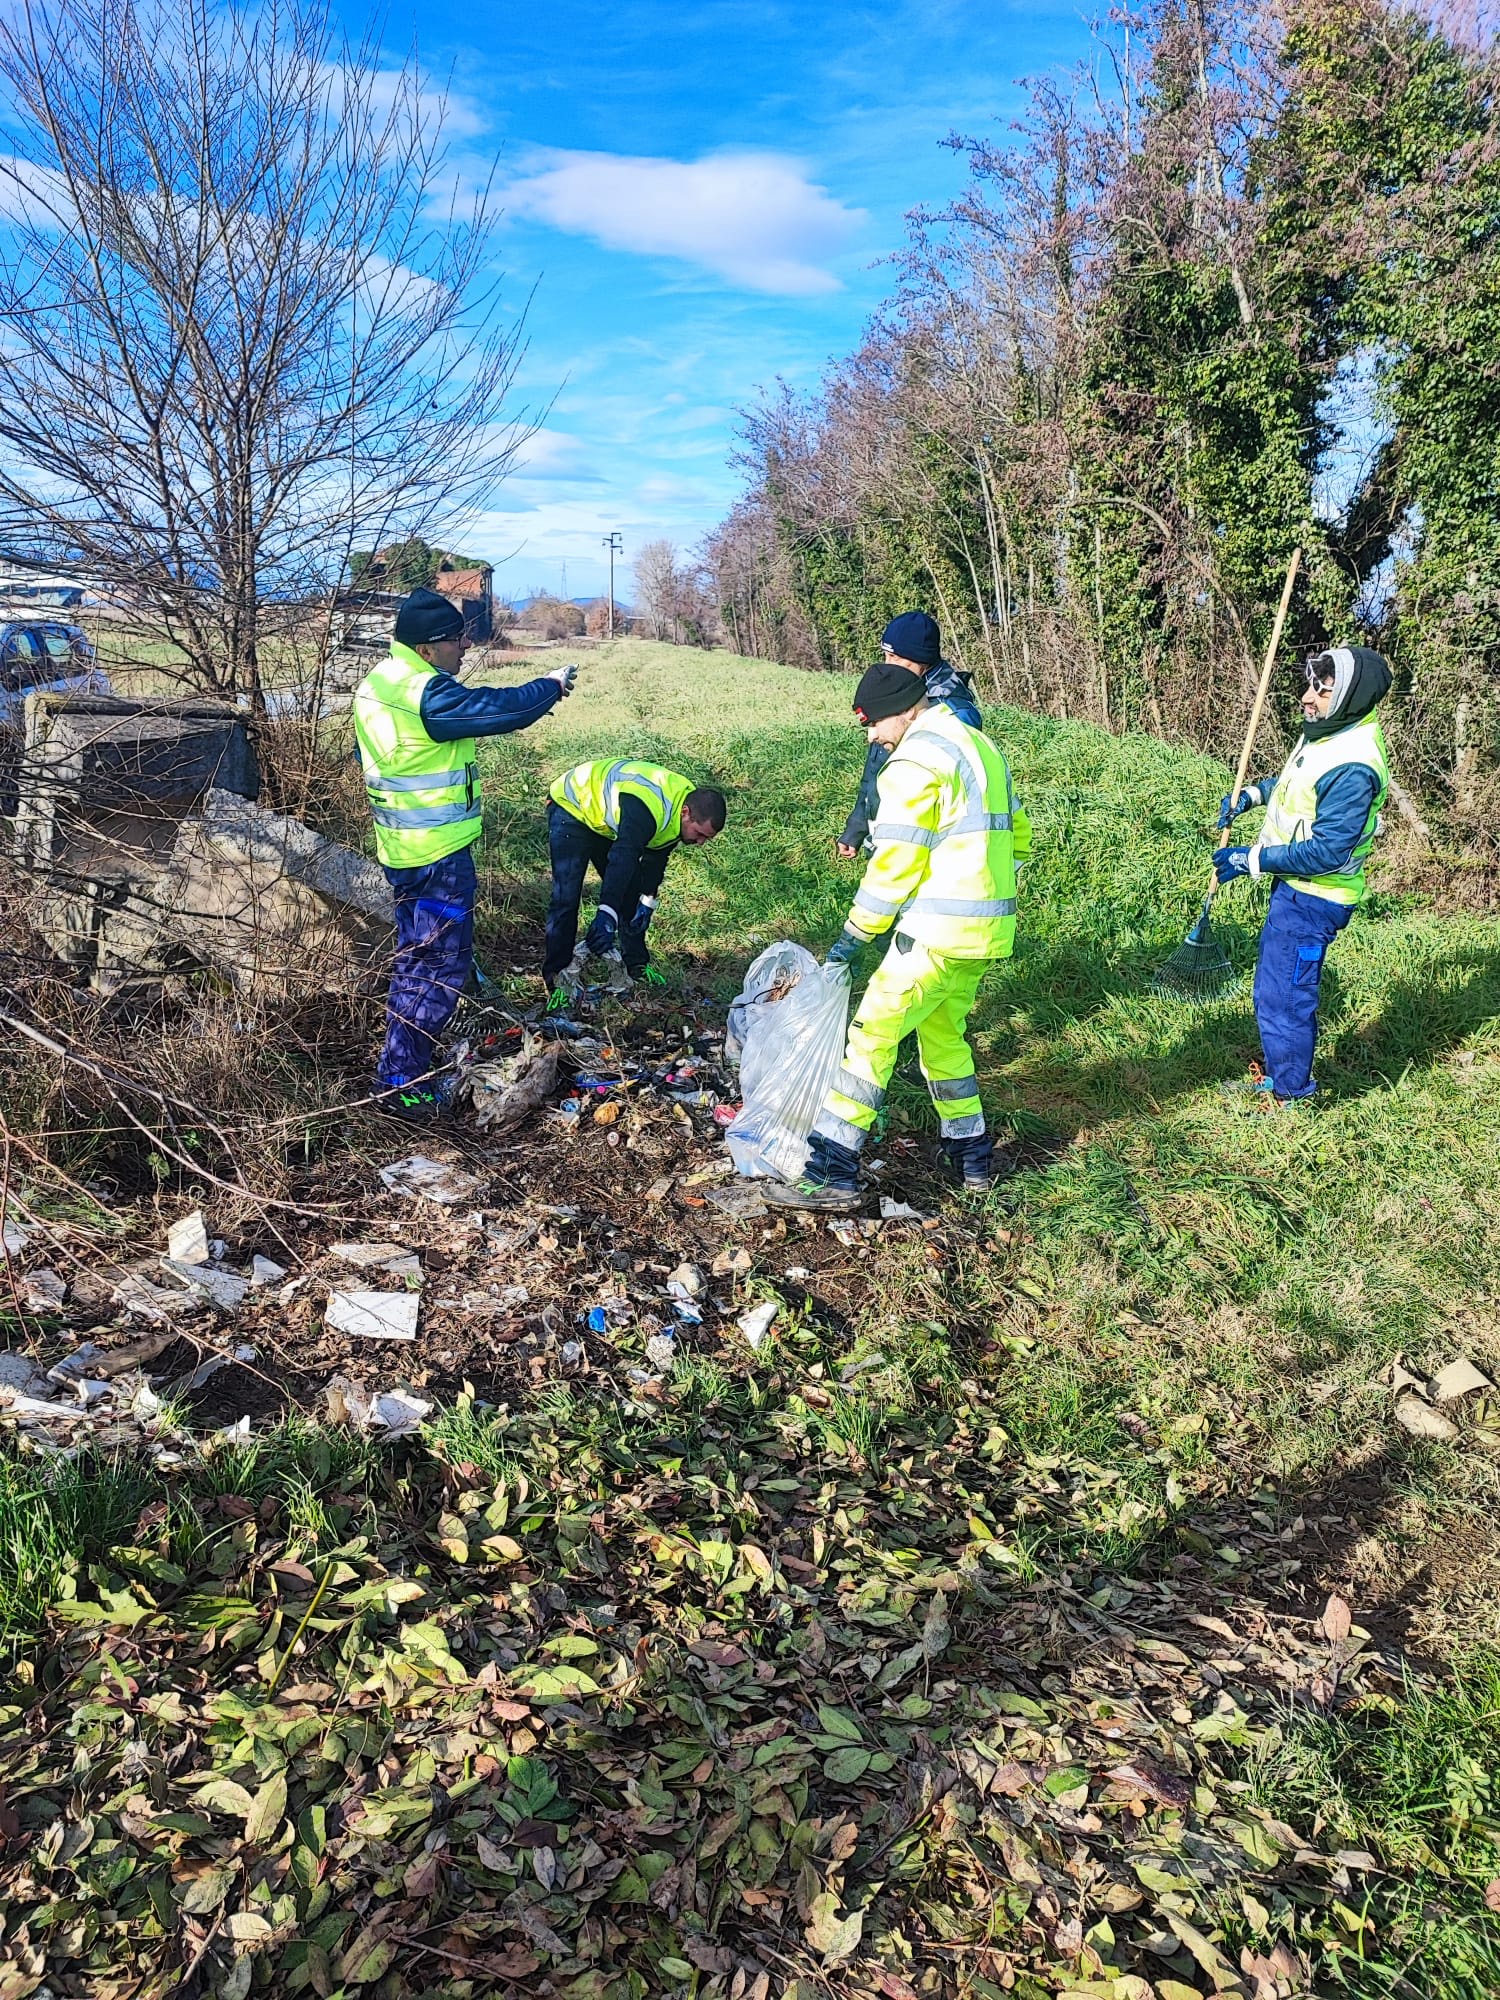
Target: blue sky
702	196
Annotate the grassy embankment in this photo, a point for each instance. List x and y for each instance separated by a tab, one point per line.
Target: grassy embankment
1151	1385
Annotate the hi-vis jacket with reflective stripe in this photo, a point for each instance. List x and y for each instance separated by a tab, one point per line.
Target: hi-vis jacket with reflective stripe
592	793
424	795
1293	808
948	833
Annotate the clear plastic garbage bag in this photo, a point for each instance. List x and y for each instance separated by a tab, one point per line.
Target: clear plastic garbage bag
787	1031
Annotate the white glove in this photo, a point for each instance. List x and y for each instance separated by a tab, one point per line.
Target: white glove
565	677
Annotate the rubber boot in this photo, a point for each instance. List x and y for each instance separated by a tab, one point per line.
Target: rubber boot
829	1183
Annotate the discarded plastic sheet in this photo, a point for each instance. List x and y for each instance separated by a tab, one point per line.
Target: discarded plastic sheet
138	1295
740	1200
756	1323
21	1375
794	1014
265	1271
374	1315
226	1289
14	1239
430	1180
395	1411
44	1290
892	1210
597	1320
187	1239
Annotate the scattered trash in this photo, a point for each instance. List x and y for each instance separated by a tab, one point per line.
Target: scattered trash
572	1353
21	1376
732	1263
137	1294
187	1239
686	1282
899	1211
224	1288
597	1320
739	1200
265	1271
688	1314
661	1352
395	1411
374	1315
852	1370
44	1291
509	1088
798	1273
659	1190
756	1323
430	1180
1459	1378
14	1240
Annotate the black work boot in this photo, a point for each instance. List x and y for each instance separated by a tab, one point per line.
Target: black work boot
412	1103
971	1162
828	1185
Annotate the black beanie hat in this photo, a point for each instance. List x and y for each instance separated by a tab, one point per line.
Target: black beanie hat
887	690
914	636
426	617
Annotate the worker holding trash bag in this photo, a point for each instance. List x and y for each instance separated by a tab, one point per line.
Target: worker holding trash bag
416	724
948	836
1322	816
622	817
911	640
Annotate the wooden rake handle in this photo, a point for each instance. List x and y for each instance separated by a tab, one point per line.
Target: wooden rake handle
1267	669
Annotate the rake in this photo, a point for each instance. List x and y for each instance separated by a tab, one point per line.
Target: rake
1200	967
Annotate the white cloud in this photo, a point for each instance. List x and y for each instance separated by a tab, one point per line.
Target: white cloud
751	217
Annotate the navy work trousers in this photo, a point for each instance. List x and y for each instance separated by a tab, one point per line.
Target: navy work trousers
1288	975
434	957
574	849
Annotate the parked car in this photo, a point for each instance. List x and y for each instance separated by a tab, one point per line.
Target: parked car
38	656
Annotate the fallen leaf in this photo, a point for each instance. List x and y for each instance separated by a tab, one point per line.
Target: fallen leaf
829	1933
1336	1622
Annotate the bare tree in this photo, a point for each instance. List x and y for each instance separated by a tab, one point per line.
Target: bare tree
656	589
240	327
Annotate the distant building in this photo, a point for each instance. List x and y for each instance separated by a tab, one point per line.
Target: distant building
470	587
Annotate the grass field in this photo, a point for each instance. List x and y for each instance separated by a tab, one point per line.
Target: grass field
973	1646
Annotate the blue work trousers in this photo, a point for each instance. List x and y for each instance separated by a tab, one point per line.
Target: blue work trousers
573	849
434	957
1288	974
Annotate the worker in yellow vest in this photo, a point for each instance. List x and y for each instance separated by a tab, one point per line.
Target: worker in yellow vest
416	725
948	836
1322	816
622	817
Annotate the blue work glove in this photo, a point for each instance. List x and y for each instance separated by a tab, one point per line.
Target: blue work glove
1248	800
1232	862
845	949
601	934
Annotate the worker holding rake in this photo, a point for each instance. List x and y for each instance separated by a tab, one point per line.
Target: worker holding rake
1322	815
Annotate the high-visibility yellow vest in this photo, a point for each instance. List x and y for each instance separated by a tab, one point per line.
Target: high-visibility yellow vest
948	833
592	793
1294	805
424	796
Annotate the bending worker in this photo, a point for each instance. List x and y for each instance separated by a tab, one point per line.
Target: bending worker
1322	816
415	725
622	818
913	641
948	836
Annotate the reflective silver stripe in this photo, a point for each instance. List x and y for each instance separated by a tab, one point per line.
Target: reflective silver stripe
829	1125
981	823
960	906
570	792
434	781
914	836
622	773
953	1087
876	907
415	816
971	1126
856	1088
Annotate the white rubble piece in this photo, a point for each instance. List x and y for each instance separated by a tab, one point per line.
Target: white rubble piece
137	1294
369	1256
265	1271
187	1239
892	1210
226	1289
430	1180
14	1239
661	1352
1459	1378
374	1315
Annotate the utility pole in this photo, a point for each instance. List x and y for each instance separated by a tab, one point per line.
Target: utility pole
614	542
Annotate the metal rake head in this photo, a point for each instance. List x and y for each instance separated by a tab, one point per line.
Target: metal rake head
1198	970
